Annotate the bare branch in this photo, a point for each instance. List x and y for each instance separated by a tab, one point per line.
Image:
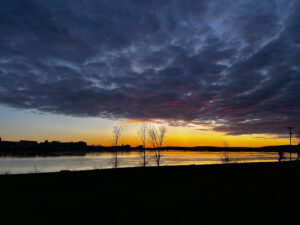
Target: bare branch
153	136
116	134
161	135
156	139
142	134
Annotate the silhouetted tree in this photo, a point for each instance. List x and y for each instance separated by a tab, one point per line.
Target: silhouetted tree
156	138
142	135
291	133
116	136
225	158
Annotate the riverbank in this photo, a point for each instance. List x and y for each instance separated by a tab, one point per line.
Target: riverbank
231	193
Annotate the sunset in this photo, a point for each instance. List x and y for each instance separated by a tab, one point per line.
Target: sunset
26	125
137	98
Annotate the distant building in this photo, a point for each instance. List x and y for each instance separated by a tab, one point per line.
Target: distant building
25	142
33	147
82	143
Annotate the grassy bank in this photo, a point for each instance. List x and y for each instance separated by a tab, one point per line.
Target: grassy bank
236	193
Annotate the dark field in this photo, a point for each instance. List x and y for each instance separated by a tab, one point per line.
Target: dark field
213	194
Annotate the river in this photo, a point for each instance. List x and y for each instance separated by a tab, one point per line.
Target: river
105	160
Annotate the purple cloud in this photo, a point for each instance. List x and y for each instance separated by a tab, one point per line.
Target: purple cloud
234	65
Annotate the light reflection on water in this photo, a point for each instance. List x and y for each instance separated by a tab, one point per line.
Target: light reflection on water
15	165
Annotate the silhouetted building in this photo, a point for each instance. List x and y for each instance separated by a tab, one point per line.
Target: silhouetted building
26	147
28	143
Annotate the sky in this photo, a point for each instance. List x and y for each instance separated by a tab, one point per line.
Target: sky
210	70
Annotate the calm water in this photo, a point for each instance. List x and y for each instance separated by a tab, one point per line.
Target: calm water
15	165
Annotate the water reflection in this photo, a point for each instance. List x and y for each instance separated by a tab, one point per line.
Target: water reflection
105	160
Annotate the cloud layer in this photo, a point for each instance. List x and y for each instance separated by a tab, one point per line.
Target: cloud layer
233	65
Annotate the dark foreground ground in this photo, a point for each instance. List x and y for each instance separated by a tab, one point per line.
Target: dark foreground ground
215	194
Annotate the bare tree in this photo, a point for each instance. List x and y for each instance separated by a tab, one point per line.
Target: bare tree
142	135
225	158
156	138
116	136
291	133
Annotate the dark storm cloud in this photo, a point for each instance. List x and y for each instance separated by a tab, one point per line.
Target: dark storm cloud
233	65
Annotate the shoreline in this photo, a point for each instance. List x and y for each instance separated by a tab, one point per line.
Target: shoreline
197	166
